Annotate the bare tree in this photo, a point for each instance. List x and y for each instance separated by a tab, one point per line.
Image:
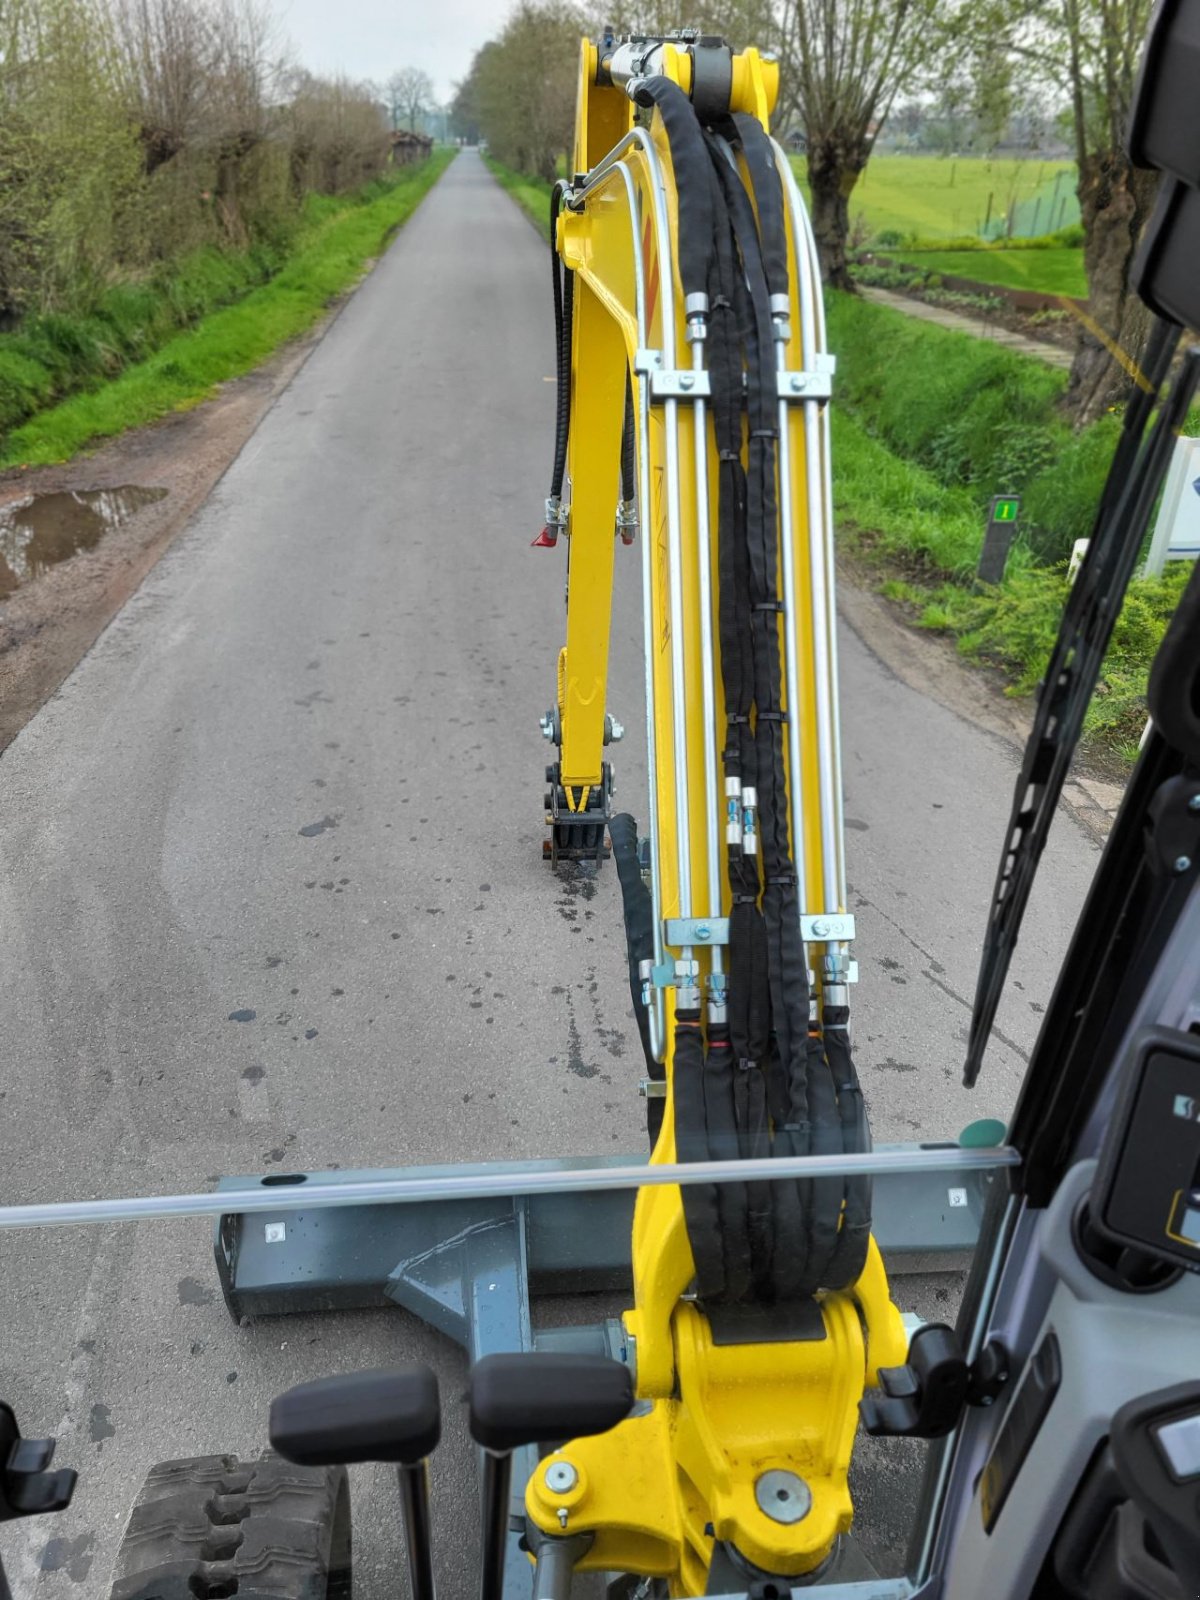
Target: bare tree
409	91
1088	50
521	87
165	55
842	64
739	22
1103	40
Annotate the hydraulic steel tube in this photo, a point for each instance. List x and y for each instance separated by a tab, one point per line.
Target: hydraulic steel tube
418	1538
638	138
712	785
656	1008
555	1571
683	822
830	587
791	637
820	520
497	1479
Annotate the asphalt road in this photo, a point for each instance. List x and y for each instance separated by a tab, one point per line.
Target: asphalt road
271	892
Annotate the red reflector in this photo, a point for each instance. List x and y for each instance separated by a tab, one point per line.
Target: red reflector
547	539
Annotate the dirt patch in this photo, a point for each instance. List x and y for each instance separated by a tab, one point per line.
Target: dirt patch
1033	313
50	621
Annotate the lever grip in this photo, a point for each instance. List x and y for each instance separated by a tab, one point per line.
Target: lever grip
540	1396
389	1414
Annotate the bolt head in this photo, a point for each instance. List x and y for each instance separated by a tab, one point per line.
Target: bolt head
703	932
1182	863
799	382
686	381
820	929
783	1496
1194	803
561	1477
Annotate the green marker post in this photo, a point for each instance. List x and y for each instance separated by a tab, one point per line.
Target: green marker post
998	538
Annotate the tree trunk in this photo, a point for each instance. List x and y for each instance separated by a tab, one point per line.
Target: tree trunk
835	165
1115	199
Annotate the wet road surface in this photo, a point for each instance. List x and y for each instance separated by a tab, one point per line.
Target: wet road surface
272	897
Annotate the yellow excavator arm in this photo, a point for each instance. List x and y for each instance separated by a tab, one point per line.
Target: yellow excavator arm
693	393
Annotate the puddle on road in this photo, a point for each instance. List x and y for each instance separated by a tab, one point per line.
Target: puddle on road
39	532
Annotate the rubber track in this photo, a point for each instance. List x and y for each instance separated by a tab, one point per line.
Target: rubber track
215	1526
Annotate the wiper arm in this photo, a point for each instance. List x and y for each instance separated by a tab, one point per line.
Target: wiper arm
1092	608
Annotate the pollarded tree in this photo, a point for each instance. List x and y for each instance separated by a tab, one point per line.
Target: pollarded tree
1088	50
842	64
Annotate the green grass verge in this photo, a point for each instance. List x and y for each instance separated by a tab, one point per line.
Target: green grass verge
920	442
1048	271
1013	626
531	194
974	415
330	256
943	196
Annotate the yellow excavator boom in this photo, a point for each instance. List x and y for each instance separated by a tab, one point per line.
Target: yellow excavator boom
749	1362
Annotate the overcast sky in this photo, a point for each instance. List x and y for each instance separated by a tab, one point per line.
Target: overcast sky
372	38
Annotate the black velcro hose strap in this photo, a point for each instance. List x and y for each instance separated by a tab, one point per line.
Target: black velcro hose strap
720	1118
701	1209
850	1251
690	160
838	1265
638	906
802	1079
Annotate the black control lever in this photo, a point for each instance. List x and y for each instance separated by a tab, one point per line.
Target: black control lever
537	1397
391	1414
1155	1444
927	1396
27	1489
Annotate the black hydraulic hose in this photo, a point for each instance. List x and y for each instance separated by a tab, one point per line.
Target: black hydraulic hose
638	907
749	1007
690	161
628	467
768	198
765	1081
848	1253
564	302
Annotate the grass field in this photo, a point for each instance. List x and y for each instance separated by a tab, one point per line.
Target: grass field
187	368
1051	271
941	197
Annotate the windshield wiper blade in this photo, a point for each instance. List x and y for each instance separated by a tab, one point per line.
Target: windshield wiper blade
1092	608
